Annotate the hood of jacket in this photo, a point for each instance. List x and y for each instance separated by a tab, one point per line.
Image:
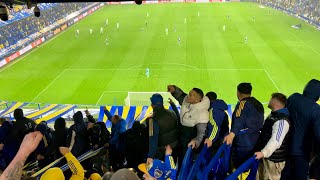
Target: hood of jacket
284	111
78	118
312	90
219	104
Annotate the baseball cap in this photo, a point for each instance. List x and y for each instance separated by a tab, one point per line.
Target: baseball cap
156	99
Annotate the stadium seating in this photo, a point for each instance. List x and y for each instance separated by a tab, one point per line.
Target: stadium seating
23	23
307	9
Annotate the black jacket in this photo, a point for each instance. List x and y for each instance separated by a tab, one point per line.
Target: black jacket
165	129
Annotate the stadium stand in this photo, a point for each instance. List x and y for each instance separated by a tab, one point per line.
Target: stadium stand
309	10
20	29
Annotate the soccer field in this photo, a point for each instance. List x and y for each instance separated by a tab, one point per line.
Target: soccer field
84	70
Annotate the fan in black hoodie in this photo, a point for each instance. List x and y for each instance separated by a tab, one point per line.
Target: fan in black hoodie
21	127
78	140
59	136
305	118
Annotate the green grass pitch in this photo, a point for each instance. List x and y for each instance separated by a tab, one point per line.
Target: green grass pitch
85	70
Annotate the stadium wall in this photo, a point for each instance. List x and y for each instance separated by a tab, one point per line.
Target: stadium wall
169	1
51	31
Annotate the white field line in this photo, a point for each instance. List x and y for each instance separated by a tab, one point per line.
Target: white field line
30	52
100	98
48	86
144	69
109	92
178	64
274	84
304	43
210	69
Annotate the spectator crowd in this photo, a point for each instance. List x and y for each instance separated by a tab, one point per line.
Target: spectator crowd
16	31
286	143
307	8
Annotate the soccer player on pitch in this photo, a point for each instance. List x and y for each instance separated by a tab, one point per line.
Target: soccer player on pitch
101	30
179	40
246	39
90	30
224	27
166	31
77	33
148	72
107	41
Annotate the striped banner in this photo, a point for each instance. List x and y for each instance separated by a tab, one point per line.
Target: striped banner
12	107
2	103
43	111
57	114
135	113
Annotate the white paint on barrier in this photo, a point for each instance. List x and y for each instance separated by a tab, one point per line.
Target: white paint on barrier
3	62
127	2
151	2
26	49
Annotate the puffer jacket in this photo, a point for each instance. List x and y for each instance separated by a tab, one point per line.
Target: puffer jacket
192	114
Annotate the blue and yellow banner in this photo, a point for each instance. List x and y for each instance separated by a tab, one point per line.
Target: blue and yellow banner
134	113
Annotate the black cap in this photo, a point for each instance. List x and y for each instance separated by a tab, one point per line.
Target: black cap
245	88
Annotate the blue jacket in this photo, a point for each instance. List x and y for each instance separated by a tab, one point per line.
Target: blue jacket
116	130
217	117
5	130
305	118
247	120
11	145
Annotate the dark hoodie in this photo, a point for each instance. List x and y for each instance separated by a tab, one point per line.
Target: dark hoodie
60	133
22	126
45	146
218	125
305	118
81	141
